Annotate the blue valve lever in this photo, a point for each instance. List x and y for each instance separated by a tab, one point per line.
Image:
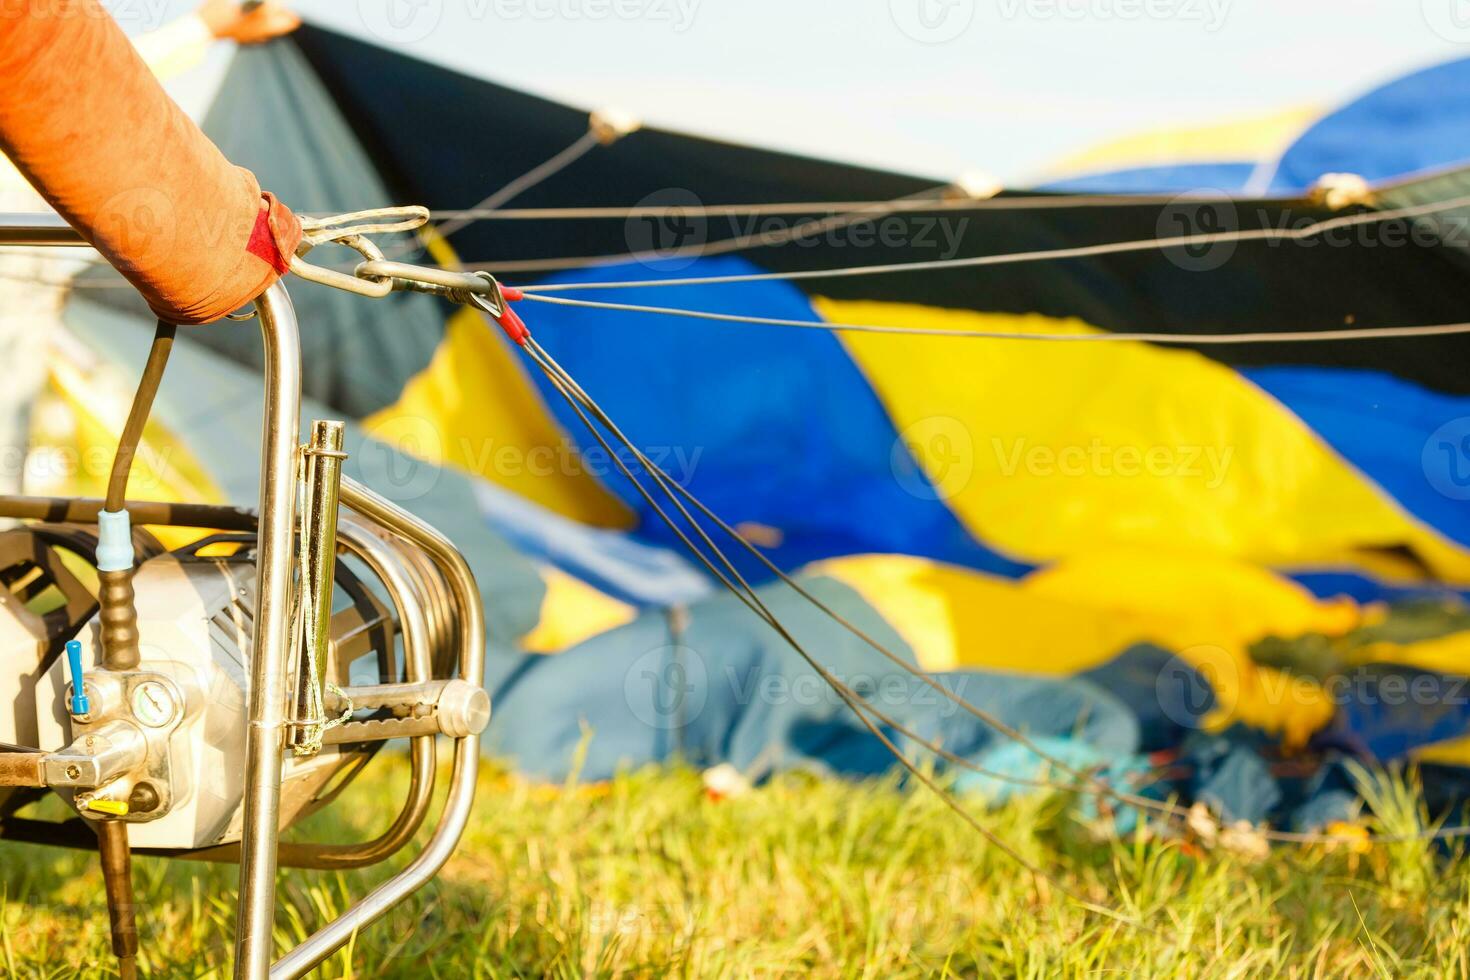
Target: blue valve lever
79	703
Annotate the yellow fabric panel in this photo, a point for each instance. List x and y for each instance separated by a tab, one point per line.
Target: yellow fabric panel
163	469
1445	654
573	611
1045	450
1455	752
474	408
1191	600
955	618
1256	138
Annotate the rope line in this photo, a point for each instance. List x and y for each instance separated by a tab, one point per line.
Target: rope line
994	722
1039	255
541	172
925	199
1094	786
1008	203
1215	339
579	400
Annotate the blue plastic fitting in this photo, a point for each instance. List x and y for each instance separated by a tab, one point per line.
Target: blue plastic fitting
79	703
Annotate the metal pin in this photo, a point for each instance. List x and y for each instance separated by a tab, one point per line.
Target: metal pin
323	475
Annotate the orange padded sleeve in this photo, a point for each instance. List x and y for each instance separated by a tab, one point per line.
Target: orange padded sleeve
89	126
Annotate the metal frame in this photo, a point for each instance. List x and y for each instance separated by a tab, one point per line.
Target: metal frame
417	600
269	694
456	815
265	739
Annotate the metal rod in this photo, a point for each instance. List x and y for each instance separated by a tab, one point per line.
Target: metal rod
84	510
22	769
461	798
37	228
322	471
264	740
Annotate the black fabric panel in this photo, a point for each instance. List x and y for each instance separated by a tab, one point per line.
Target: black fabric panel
447	140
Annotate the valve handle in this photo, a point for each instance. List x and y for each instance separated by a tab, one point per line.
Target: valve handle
79	703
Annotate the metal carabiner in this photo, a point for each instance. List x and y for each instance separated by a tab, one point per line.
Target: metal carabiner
376	288
447	283
493	302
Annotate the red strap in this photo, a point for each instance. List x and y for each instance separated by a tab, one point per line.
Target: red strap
262	243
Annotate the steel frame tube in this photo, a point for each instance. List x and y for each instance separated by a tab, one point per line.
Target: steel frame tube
265	737
37	228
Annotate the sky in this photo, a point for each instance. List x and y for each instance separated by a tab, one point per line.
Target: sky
931	87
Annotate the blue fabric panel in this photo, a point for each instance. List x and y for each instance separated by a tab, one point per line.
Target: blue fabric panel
1418	122
730	689
1388	710
770	425
1410	441
1361	588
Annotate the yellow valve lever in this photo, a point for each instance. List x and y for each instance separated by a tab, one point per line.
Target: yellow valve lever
116	808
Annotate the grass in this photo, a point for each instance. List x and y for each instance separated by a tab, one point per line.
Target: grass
648	877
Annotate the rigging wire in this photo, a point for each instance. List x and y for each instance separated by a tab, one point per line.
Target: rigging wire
861	709
538	174
927	199
569	389
579	399
563	381
999	203
1015	258
1213	339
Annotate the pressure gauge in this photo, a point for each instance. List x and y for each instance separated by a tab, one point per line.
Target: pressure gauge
153	704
